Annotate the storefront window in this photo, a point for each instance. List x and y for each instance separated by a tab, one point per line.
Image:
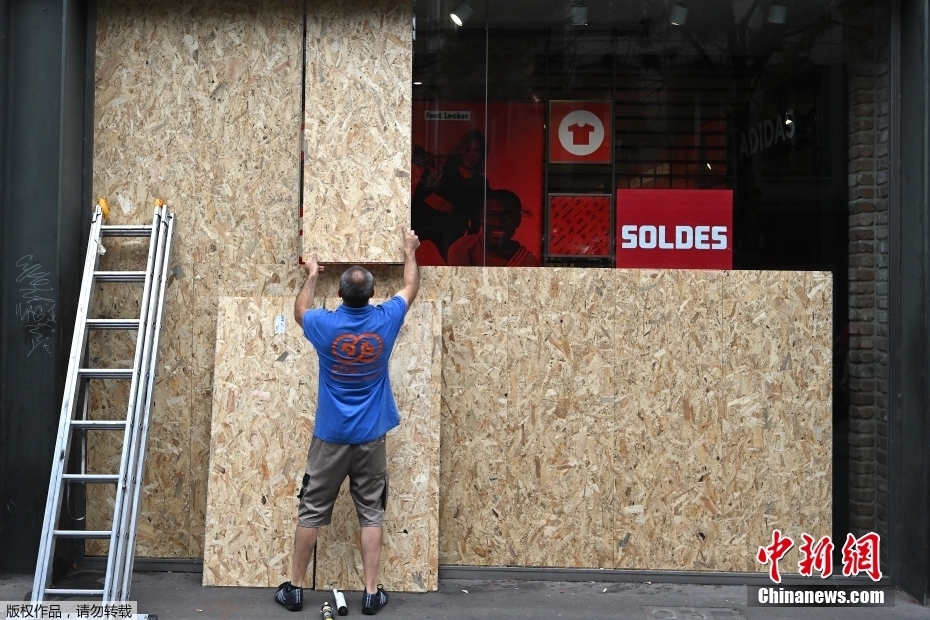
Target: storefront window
720	134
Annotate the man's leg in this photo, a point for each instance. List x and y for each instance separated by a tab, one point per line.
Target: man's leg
304	540
371	556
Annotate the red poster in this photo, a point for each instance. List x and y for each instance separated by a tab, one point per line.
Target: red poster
580	132
474	162
579	225
675	228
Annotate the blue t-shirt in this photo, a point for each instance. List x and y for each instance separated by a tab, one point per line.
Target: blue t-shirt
355	402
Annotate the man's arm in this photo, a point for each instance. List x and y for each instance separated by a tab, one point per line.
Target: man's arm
411	271
305	296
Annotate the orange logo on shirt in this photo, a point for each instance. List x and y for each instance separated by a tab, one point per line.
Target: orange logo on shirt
361	348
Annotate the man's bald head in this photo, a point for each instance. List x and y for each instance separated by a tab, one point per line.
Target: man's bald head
356	286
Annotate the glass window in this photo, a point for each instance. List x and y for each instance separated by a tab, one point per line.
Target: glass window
730	134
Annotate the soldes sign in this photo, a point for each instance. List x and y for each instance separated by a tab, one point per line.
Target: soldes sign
675	229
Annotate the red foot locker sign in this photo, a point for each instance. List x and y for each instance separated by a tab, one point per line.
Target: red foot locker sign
675	228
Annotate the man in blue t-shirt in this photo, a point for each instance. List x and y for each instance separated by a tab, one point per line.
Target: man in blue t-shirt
355	410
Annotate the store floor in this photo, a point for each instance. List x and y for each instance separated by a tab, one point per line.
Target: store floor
180	595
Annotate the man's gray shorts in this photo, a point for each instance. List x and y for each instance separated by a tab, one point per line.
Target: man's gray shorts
328	464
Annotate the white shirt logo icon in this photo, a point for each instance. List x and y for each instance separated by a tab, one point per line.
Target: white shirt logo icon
581	133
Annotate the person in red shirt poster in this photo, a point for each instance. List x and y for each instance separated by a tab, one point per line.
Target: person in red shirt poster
450	194
493	245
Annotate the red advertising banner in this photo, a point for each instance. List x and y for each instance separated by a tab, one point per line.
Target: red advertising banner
675	228
579	225
464	153
580	132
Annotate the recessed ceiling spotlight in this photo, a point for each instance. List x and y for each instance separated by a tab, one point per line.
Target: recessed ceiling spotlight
461	14
579	15
678	15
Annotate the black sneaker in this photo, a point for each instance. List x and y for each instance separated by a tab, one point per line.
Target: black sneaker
371	603
289	596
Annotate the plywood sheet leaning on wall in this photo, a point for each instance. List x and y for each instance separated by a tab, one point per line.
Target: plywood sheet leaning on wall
656	420
357	128
263	402
197	103
724	420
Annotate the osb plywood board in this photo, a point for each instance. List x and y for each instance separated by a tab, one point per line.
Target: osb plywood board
723	417
474	456
409	560
198	104
357	126
264	396
263	401
528	398
661	420
561	407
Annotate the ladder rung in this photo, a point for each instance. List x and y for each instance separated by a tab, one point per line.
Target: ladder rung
113	323
144	230
105	373
98	425
82	534
119	276
100	478
73	592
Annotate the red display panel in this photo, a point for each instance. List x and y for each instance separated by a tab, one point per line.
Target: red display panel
450	180
580	132
579	225
674	229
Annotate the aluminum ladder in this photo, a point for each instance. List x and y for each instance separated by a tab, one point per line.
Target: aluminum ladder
74	422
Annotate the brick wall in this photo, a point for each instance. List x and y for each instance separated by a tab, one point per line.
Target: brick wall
867	369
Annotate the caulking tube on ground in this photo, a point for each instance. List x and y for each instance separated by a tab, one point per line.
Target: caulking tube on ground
341	608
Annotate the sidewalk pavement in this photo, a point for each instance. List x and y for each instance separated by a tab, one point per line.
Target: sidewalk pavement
180	595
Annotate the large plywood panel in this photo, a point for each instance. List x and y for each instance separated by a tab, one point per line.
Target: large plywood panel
726	389
264	396
473	464
198	104
563	387
357	129
263	403
657	420
409	560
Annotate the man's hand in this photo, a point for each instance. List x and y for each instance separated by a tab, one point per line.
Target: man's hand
312	267
411	273
305	297
411	242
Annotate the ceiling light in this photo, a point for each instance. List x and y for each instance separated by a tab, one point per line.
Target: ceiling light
579	15
778	13
708	166
678	15
461	14
418	83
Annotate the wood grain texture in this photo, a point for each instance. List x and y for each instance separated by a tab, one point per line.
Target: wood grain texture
357	129
264	397
650	420
198	103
